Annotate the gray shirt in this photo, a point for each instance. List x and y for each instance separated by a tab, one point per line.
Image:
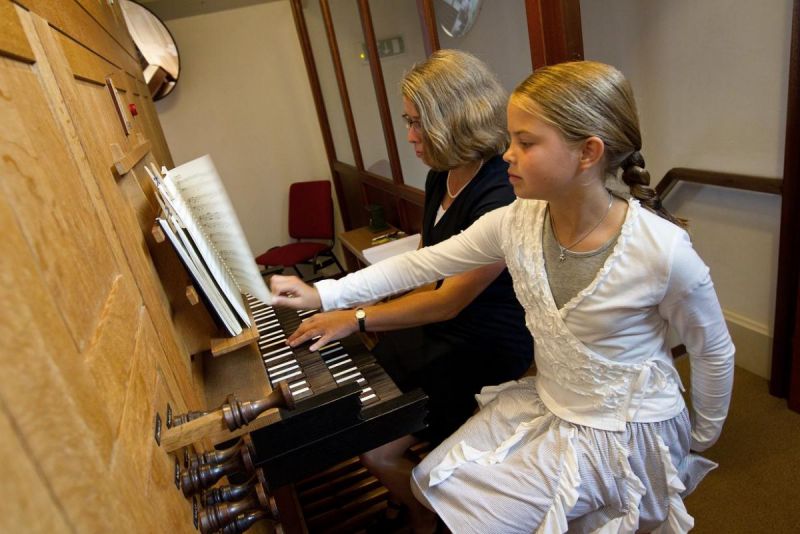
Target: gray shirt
577	270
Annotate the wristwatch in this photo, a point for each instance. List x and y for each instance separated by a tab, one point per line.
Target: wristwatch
361	317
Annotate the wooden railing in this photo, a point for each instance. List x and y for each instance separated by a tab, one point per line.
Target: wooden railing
722	179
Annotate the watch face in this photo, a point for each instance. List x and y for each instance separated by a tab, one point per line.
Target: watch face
360	314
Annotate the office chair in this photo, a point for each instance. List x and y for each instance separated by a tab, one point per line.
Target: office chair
310	217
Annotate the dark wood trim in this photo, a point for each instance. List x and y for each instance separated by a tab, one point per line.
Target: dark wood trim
794	369
403	191
380	90
427	21
573	30
785	376
319	103
402	196
313	77
340	80
722	179
538	46
554	31
411	194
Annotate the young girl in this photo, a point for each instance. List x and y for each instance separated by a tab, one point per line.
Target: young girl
600	439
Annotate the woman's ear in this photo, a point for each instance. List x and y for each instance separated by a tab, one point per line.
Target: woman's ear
592	152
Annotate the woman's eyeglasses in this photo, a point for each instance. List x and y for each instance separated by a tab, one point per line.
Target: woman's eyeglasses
412	124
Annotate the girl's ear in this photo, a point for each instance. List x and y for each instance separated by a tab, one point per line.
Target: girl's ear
592	152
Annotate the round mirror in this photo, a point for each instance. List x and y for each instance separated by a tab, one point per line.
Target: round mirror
159	54
456	17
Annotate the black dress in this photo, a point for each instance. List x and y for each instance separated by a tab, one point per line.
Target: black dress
486	343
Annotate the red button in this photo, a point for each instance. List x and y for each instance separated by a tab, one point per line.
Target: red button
132	108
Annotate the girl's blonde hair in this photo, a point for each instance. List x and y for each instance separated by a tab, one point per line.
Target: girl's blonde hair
586	99
461	107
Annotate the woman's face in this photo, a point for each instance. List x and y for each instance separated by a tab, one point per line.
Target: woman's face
541	164
414	136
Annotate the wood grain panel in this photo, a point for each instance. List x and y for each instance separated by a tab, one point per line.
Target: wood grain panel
12	38
109	16
54	209
111	354
98	126
48	391
165	499
88	347
83	409
153	130
85	64
135	443
413	213
92	114
33	506
70	18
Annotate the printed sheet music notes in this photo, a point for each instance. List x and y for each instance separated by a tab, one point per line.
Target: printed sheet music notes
198	219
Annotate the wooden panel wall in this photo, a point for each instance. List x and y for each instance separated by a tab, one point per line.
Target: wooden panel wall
90	346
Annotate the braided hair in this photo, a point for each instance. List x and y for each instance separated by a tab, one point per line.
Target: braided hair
637	179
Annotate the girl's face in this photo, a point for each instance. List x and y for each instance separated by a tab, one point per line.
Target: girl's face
411	116
541	164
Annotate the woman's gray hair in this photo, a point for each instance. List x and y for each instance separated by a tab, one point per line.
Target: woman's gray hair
462	108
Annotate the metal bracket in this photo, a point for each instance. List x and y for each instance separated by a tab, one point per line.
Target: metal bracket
158	429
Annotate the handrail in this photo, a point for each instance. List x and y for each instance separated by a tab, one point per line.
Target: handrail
722	179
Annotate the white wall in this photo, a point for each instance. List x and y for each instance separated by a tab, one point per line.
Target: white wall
243	96
500	38
711	81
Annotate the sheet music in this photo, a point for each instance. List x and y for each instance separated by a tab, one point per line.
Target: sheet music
200	275
204	208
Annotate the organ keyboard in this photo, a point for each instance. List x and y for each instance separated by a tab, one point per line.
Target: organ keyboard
345	403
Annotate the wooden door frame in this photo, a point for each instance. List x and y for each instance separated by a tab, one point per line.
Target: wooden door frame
785	375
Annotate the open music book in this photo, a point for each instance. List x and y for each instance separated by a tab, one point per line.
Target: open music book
201	224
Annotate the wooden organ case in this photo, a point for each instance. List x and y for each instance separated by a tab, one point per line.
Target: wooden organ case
105	344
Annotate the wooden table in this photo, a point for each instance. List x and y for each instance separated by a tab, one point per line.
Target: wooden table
355	241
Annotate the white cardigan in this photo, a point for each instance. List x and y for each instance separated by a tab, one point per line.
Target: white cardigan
603	359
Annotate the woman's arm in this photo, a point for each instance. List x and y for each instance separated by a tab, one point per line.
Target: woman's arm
410	310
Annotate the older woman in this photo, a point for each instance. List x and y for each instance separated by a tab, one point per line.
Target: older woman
469	331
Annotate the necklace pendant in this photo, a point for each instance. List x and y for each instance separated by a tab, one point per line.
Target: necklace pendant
562	257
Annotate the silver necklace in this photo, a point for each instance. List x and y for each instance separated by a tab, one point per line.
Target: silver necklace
474	174
562	256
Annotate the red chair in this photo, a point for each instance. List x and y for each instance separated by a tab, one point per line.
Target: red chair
310	217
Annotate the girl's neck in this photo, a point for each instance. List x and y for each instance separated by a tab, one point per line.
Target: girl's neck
588	209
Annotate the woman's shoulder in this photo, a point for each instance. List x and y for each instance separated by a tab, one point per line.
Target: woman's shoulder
434	180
